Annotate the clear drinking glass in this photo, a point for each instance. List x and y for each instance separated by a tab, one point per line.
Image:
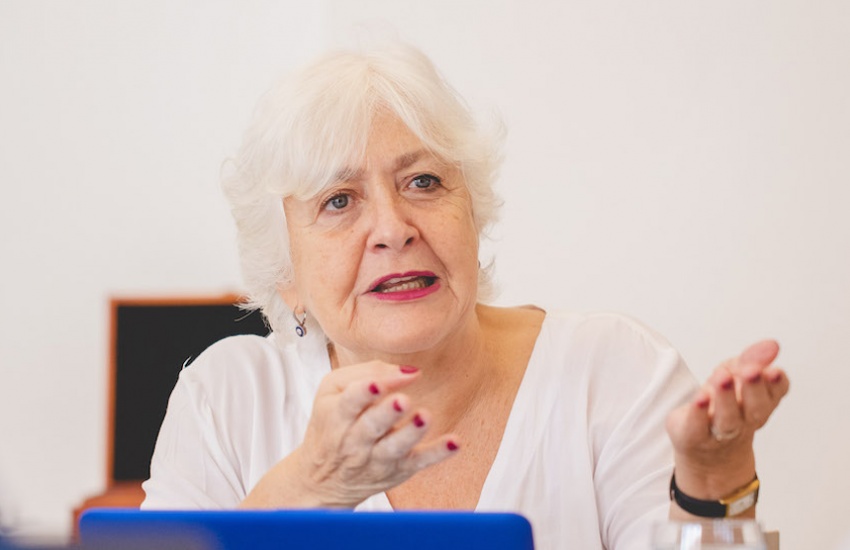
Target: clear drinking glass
708	535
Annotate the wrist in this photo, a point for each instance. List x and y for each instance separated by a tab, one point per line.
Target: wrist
740	502
312	486
289	484
716	479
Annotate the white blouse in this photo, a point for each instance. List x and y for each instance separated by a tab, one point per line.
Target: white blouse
584	456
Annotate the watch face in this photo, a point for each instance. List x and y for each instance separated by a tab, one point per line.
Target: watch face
743	503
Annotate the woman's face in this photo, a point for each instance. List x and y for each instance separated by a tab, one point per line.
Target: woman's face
386	258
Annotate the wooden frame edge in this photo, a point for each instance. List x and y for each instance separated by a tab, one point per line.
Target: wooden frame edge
116	301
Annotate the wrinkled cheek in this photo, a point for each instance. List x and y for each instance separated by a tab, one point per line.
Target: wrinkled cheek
330	283
316	280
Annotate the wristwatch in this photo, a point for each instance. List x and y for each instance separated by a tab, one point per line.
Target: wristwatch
740	500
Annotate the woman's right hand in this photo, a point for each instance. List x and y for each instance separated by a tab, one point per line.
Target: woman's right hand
363	438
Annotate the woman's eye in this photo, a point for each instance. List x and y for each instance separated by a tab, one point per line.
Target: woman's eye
425	181
337	202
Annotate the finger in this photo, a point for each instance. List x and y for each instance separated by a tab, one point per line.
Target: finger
727	417
689	424
399	443
756	401
763	352
355	397
756	357
777	383
434	452
760	395
377	421
335	413
387	376
364	386
418	457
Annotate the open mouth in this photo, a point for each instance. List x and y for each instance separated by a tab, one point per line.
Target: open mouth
404	284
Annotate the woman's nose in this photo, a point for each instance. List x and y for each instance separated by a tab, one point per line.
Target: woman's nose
391	226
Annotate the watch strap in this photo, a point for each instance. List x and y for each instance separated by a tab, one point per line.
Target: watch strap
738	501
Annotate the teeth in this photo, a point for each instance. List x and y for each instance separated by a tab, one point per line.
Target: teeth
412	285
402	284
397	280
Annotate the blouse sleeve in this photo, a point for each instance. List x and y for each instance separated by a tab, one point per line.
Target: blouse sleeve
239	408
637	381
189	468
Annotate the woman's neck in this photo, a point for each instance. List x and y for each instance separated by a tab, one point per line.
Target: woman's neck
454	374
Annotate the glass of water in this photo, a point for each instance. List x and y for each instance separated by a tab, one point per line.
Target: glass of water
708	535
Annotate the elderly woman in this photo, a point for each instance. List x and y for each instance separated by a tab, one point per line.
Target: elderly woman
360	194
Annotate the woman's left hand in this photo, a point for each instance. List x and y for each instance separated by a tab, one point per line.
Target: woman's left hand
713	434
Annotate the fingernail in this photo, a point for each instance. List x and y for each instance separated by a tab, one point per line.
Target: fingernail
703	402
397	405
408	369
373	388
754	378
451	445
417	421
776	377
728	385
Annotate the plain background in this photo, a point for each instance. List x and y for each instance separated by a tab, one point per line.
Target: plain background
683	162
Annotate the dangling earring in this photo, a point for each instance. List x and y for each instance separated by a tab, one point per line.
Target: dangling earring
300	329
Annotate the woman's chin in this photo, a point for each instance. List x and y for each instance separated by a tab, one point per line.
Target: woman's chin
401	341
382	331
415	342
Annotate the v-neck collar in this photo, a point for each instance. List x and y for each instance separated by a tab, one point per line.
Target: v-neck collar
510	457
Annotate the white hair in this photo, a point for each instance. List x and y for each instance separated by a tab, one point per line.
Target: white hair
316	123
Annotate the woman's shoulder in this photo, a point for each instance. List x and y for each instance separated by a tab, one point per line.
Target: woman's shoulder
606	340
235	353
600	322
604	326
572	331
611	359
259	364
243	364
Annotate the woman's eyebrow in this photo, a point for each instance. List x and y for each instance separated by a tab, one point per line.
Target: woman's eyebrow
400	163
348	174
408	159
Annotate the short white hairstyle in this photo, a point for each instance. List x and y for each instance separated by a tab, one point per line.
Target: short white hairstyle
314	124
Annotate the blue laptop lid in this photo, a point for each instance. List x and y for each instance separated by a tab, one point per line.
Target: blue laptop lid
303	529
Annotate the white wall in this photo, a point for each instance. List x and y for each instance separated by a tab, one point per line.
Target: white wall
114	120
682	162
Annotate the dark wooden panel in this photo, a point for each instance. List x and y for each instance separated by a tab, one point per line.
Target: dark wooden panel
152	341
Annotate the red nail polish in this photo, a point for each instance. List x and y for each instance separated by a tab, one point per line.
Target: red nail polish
451	445
373	388
728	385
754	378
703	402
776	377
408	369
397	405
417	421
